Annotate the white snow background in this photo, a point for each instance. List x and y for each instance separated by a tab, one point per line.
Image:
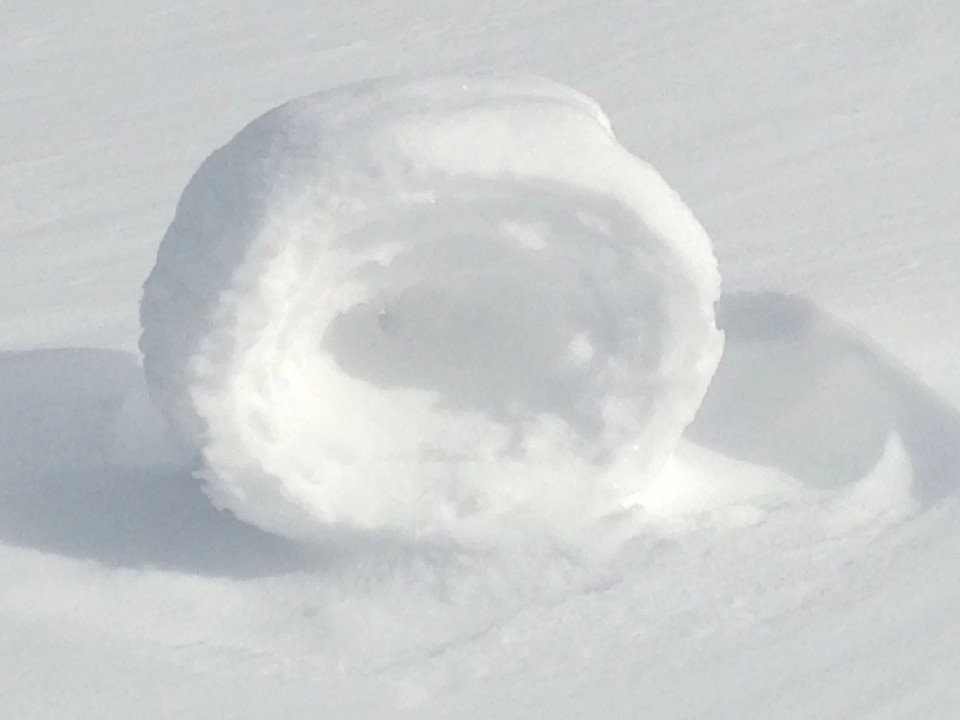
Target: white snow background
796	558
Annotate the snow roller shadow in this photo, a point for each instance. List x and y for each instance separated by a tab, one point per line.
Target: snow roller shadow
798	391
66	423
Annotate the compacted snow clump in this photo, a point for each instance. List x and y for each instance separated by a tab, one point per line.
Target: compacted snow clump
432	307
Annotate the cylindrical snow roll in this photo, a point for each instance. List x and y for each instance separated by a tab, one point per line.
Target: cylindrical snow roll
444	306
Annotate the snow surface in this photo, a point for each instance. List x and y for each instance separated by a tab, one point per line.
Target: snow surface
425	306
797	557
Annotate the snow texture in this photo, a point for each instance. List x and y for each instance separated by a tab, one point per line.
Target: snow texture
448	307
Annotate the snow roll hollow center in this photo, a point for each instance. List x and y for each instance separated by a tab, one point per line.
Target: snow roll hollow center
506	320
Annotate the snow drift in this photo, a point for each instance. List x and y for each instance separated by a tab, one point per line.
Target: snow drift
428	306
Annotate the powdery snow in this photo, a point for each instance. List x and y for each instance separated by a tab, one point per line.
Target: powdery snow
795	559
428	305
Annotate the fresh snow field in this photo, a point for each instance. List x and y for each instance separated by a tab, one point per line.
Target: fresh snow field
397	429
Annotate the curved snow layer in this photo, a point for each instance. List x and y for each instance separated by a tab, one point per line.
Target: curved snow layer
423	306
799	391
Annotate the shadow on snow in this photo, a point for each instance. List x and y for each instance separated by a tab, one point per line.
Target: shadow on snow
64	490
799	391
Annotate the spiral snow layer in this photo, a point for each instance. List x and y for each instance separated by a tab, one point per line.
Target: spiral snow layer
449	306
